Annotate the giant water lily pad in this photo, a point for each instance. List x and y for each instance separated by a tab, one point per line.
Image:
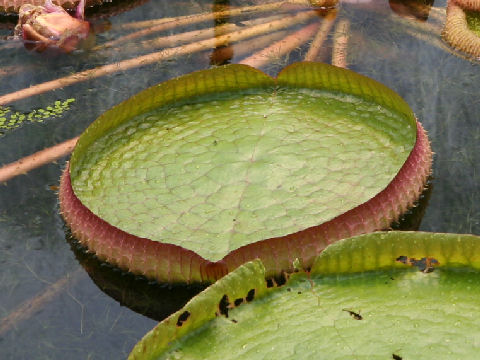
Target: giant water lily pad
399	295
193	177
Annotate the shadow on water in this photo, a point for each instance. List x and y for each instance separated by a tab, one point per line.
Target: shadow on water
412	218
144	296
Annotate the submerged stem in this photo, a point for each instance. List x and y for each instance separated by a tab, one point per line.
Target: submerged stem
340	44
321	36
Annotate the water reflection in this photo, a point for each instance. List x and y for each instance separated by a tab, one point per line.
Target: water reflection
149	298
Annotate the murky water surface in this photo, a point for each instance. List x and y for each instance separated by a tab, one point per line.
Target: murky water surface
50	307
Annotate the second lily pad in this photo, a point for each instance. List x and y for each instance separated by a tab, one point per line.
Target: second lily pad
360	301
218	160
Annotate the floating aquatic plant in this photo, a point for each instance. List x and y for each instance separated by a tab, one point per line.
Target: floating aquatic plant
192	178
10	119
462	27
376	296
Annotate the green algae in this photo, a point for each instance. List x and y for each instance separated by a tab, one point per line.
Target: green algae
10	119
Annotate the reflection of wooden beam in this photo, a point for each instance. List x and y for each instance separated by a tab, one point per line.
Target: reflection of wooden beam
246	47
143	24
193	36
165	54
198	18
281	47
37	159
28	308
340	44
182	38
321	36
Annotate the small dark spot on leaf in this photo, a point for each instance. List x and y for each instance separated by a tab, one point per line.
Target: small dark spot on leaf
425	265
182	318
223	305
299	292
270	283
234	321
388	282
288	289
282	279
353	314
396	357
234	220
215	143
237	302
250	295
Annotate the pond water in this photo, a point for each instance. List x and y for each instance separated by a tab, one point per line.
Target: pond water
56	303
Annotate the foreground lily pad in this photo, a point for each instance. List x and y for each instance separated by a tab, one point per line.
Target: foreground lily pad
192	178
399	295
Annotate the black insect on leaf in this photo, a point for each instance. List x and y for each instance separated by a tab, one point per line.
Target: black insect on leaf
354	314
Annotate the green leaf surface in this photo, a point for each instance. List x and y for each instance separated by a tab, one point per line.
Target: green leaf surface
473	21
219	159
346	308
